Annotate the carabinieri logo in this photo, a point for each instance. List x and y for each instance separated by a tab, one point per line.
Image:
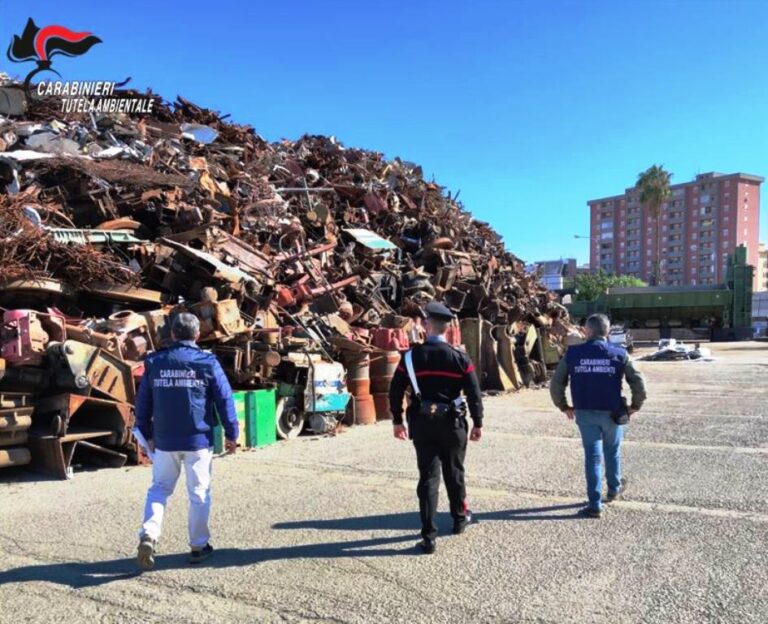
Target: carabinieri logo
89	96
41	45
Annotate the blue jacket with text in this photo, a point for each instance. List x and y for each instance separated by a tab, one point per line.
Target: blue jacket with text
596	369
175	403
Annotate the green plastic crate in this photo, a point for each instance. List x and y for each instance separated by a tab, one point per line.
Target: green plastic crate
255	411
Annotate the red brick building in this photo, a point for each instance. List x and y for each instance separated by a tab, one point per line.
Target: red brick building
701	224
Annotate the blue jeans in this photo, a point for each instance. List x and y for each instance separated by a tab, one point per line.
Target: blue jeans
600	435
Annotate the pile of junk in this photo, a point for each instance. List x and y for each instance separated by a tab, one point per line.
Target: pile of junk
308	264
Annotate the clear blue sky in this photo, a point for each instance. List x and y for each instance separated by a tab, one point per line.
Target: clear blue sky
529	107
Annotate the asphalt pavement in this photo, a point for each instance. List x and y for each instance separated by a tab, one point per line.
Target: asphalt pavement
324	529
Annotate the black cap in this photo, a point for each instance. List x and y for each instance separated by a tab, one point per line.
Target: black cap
439	311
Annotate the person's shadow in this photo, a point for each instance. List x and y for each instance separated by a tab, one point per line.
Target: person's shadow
405	521
90	574
86	574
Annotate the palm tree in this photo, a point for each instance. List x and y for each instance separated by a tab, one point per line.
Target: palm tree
653	184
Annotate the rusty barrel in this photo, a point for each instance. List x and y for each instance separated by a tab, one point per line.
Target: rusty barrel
381	405
383	365
365	410
358	367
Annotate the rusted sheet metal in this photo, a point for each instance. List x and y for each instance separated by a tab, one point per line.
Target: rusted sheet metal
89	370
505	338
70	414
54	456
228	249
211	266
125	294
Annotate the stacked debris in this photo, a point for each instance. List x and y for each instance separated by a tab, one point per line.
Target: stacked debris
294	255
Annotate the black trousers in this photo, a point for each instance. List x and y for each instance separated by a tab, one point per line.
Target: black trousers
440	443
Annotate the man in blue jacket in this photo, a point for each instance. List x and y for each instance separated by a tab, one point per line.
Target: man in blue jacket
596	370
175	405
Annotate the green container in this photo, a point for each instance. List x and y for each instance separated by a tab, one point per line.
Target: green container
255	411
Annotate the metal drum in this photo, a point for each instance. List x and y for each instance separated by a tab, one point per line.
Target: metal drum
383	367
381	405
365	410
358	367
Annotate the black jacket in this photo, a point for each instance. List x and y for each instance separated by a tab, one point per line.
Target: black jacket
442	373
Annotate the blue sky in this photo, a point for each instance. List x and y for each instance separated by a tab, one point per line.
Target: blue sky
529	107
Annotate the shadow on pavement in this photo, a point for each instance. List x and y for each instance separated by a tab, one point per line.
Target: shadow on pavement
410	521
84	574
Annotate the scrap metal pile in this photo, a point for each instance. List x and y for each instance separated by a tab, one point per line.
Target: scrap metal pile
295	256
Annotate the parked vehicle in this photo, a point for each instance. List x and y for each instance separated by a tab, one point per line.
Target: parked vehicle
620	336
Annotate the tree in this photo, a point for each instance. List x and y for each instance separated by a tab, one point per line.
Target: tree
653	184
589	286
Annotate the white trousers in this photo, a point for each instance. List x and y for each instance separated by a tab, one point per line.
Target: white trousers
166	469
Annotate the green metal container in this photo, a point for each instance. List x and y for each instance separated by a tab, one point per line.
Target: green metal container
261	429
255	411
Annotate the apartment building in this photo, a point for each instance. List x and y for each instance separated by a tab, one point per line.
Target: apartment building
703	222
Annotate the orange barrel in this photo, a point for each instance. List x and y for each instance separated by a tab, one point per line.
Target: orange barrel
359	387
358	367
365	410
381	404
383	365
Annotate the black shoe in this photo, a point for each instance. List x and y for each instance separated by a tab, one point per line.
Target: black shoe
427	546
145	556
589	512
459	526
612	496
199	555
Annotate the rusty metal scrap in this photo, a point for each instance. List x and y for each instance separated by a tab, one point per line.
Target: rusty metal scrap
291	251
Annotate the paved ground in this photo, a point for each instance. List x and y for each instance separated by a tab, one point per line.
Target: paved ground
324	529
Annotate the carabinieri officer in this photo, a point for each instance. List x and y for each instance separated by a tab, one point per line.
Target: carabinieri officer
437	374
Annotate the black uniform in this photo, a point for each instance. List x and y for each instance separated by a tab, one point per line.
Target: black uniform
442	372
